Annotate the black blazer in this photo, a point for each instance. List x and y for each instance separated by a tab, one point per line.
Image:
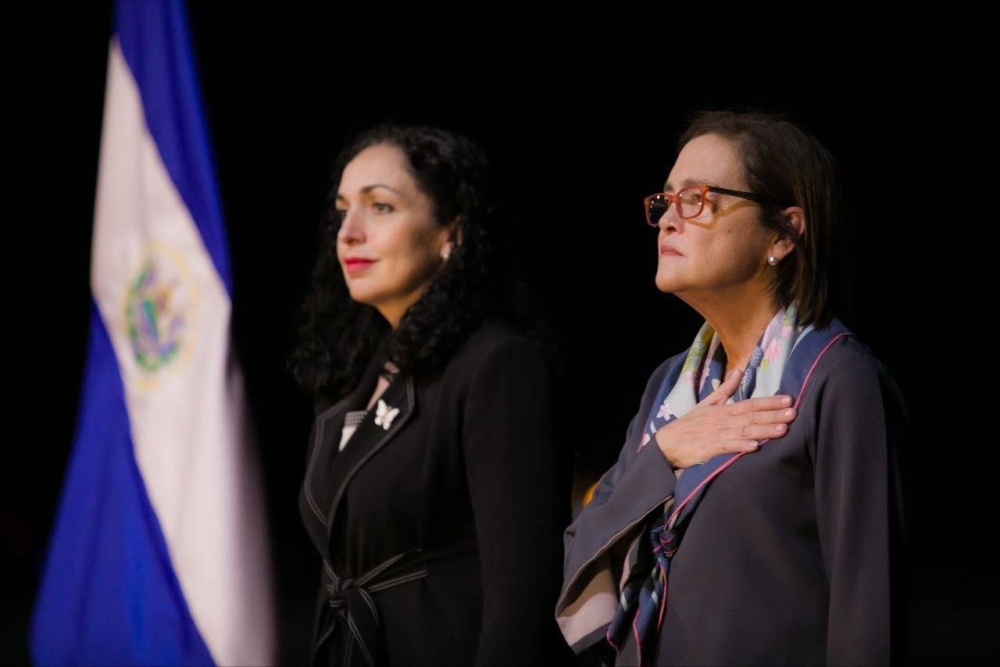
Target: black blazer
440	525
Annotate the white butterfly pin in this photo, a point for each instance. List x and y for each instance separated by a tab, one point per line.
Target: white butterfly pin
384	414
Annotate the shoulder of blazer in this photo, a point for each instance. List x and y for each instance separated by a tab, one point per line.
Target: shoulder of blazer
484	341
670	366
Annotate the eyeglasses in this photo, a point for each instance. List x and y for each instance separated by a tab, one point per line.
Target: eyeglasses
690	201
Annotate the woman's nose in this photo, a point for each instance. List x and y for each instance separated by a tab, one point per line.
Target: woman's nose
670	219
351	227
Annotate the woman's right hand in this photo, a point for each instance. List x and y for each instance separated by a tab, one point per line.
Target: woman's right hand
713	427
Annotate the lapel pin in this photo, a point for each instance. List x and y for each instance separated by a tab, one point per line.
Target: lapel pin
384	414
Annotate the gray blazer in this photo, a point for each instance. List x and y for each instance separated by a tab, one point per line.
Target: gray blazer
794	553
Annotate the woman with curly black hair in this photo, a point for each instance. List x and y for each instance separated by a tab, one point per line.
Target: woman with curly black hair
434	492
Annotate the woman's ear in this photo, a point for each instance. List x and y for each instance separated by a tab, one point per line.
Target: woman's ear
784	245
455	231
797	219
454	239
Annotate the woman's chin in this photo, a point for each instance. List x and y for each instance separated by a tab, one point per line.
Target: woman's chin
666	283
359	295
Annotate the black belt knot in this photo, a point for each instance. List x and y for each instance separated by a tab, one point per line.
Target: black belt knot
351	600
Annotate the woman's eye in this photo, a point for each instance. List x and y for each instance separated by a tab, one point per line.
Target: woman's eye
340	213
690	198
382	207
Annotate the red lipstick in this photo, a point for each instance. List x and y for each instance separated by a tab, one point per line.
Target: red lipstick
356	264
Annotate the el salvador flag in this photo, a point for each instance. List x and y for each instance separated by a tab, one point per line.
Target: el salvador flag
159	552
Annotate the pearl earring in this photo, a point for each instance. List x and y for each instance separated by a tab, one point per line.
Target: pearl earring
446	252
772	260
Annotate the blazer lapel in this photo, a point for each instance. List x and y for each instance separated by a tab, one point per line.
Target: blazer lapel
379	427
325	442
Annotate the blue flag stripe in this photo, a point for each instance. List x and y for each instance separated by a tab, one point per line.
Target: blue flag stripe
156	45
111	596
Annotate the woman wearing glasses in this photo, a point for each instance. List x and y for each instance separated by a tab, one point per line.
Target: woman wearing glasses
434	493
754	514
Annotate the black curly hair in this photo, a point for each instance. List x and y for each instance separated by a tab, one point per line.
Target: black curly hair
338	336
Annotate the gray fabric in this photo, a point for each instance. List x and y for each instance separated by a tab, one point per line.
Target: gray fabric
788	559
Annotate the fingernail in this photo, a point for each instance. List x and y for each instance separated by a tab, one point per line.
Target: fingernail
753	445
790	413
779	427
786	400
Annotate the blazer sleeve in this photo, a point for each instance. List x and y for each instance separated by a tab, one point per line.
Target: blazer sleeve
520	499
596	543
861	429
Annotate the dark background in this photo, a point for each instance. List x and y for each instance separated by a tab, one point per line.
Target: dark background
579	114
